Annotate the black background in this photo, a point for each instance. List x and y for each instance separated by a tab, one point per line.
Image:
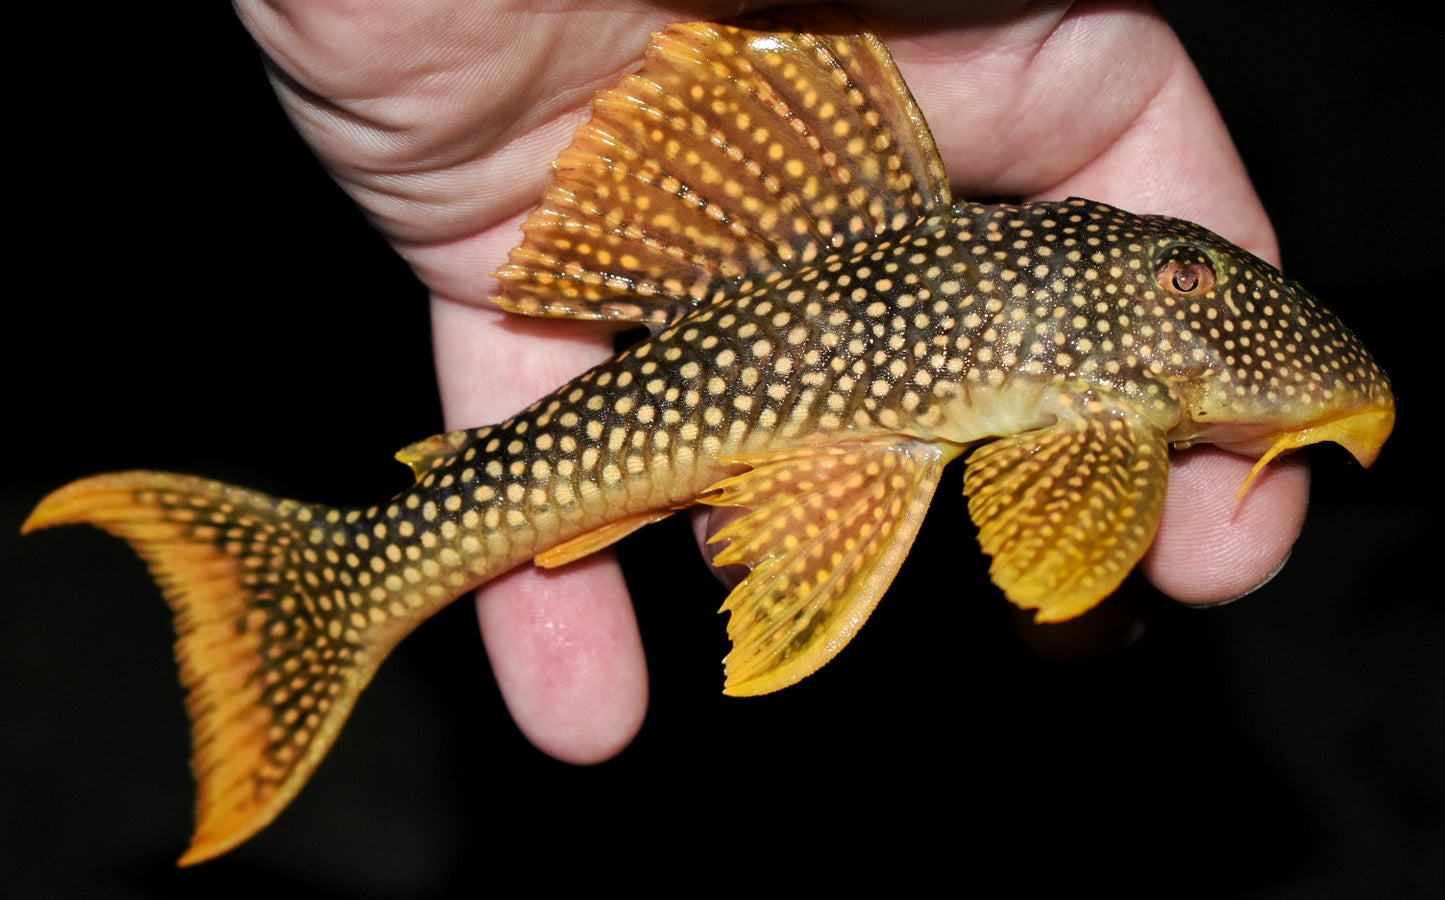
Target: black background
195	295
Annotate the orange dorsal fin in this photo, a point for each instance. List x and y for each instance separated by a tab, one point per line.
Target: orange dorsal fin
735	153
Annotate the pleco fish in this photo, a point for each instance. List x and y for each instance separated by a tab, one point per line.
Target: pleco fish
829	330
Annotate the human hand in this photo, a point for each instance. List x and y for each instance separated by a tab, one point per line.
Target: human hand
439	117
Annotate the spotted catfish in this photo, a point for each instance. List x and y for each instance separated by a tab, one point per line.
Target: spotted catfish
829	329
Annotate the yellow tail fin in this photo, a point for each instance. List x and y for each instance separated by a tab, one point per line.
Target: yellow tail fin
274	638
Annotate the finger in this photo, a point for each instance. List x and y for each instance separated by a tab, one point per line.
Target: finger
1176	158
564	644
1018	108
438	116
1212	549
567	656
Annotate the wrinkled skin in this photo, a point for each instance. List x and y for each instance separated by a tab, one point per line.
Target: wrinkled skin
440	118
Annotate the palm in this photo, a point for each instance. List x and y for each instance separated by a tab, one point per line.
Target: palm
439	119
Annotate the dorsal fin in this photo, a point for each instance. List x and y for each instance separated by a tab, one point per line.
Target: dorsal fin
735	153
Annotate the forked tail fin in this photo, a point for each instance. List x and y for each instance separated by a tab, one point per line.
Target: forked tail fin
280	623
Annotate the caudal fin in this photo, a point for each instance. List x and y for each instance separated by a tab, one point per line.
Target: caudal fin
272	642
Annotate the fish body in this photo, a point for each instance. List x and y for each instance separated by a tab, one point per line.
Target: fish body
829	330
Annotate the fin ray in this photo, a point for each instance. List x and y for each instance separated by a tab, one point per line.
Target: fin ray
826	531
597	539
272	663
1066	511
734	153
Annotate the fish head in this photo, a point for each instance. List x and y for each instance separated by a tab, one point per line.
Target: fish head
1262	366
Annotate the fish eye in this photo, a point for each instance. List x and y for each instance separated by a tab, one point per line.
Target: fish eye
1185	272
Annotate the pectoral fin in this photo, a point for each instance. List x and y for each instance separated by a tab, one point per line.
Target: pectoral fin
827	529
1066	511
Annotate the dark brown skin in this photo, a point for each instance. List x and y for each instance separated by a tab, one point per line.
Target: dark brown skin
440	117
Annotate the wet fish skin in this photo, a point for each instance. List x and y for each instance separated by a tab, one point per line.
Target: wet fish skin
823	346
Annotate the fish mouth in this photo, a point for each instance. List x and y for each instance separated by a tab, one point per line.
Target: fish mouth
1360	431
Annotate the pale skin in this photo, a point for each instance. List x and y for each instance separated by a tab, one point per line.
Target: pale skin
440	118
